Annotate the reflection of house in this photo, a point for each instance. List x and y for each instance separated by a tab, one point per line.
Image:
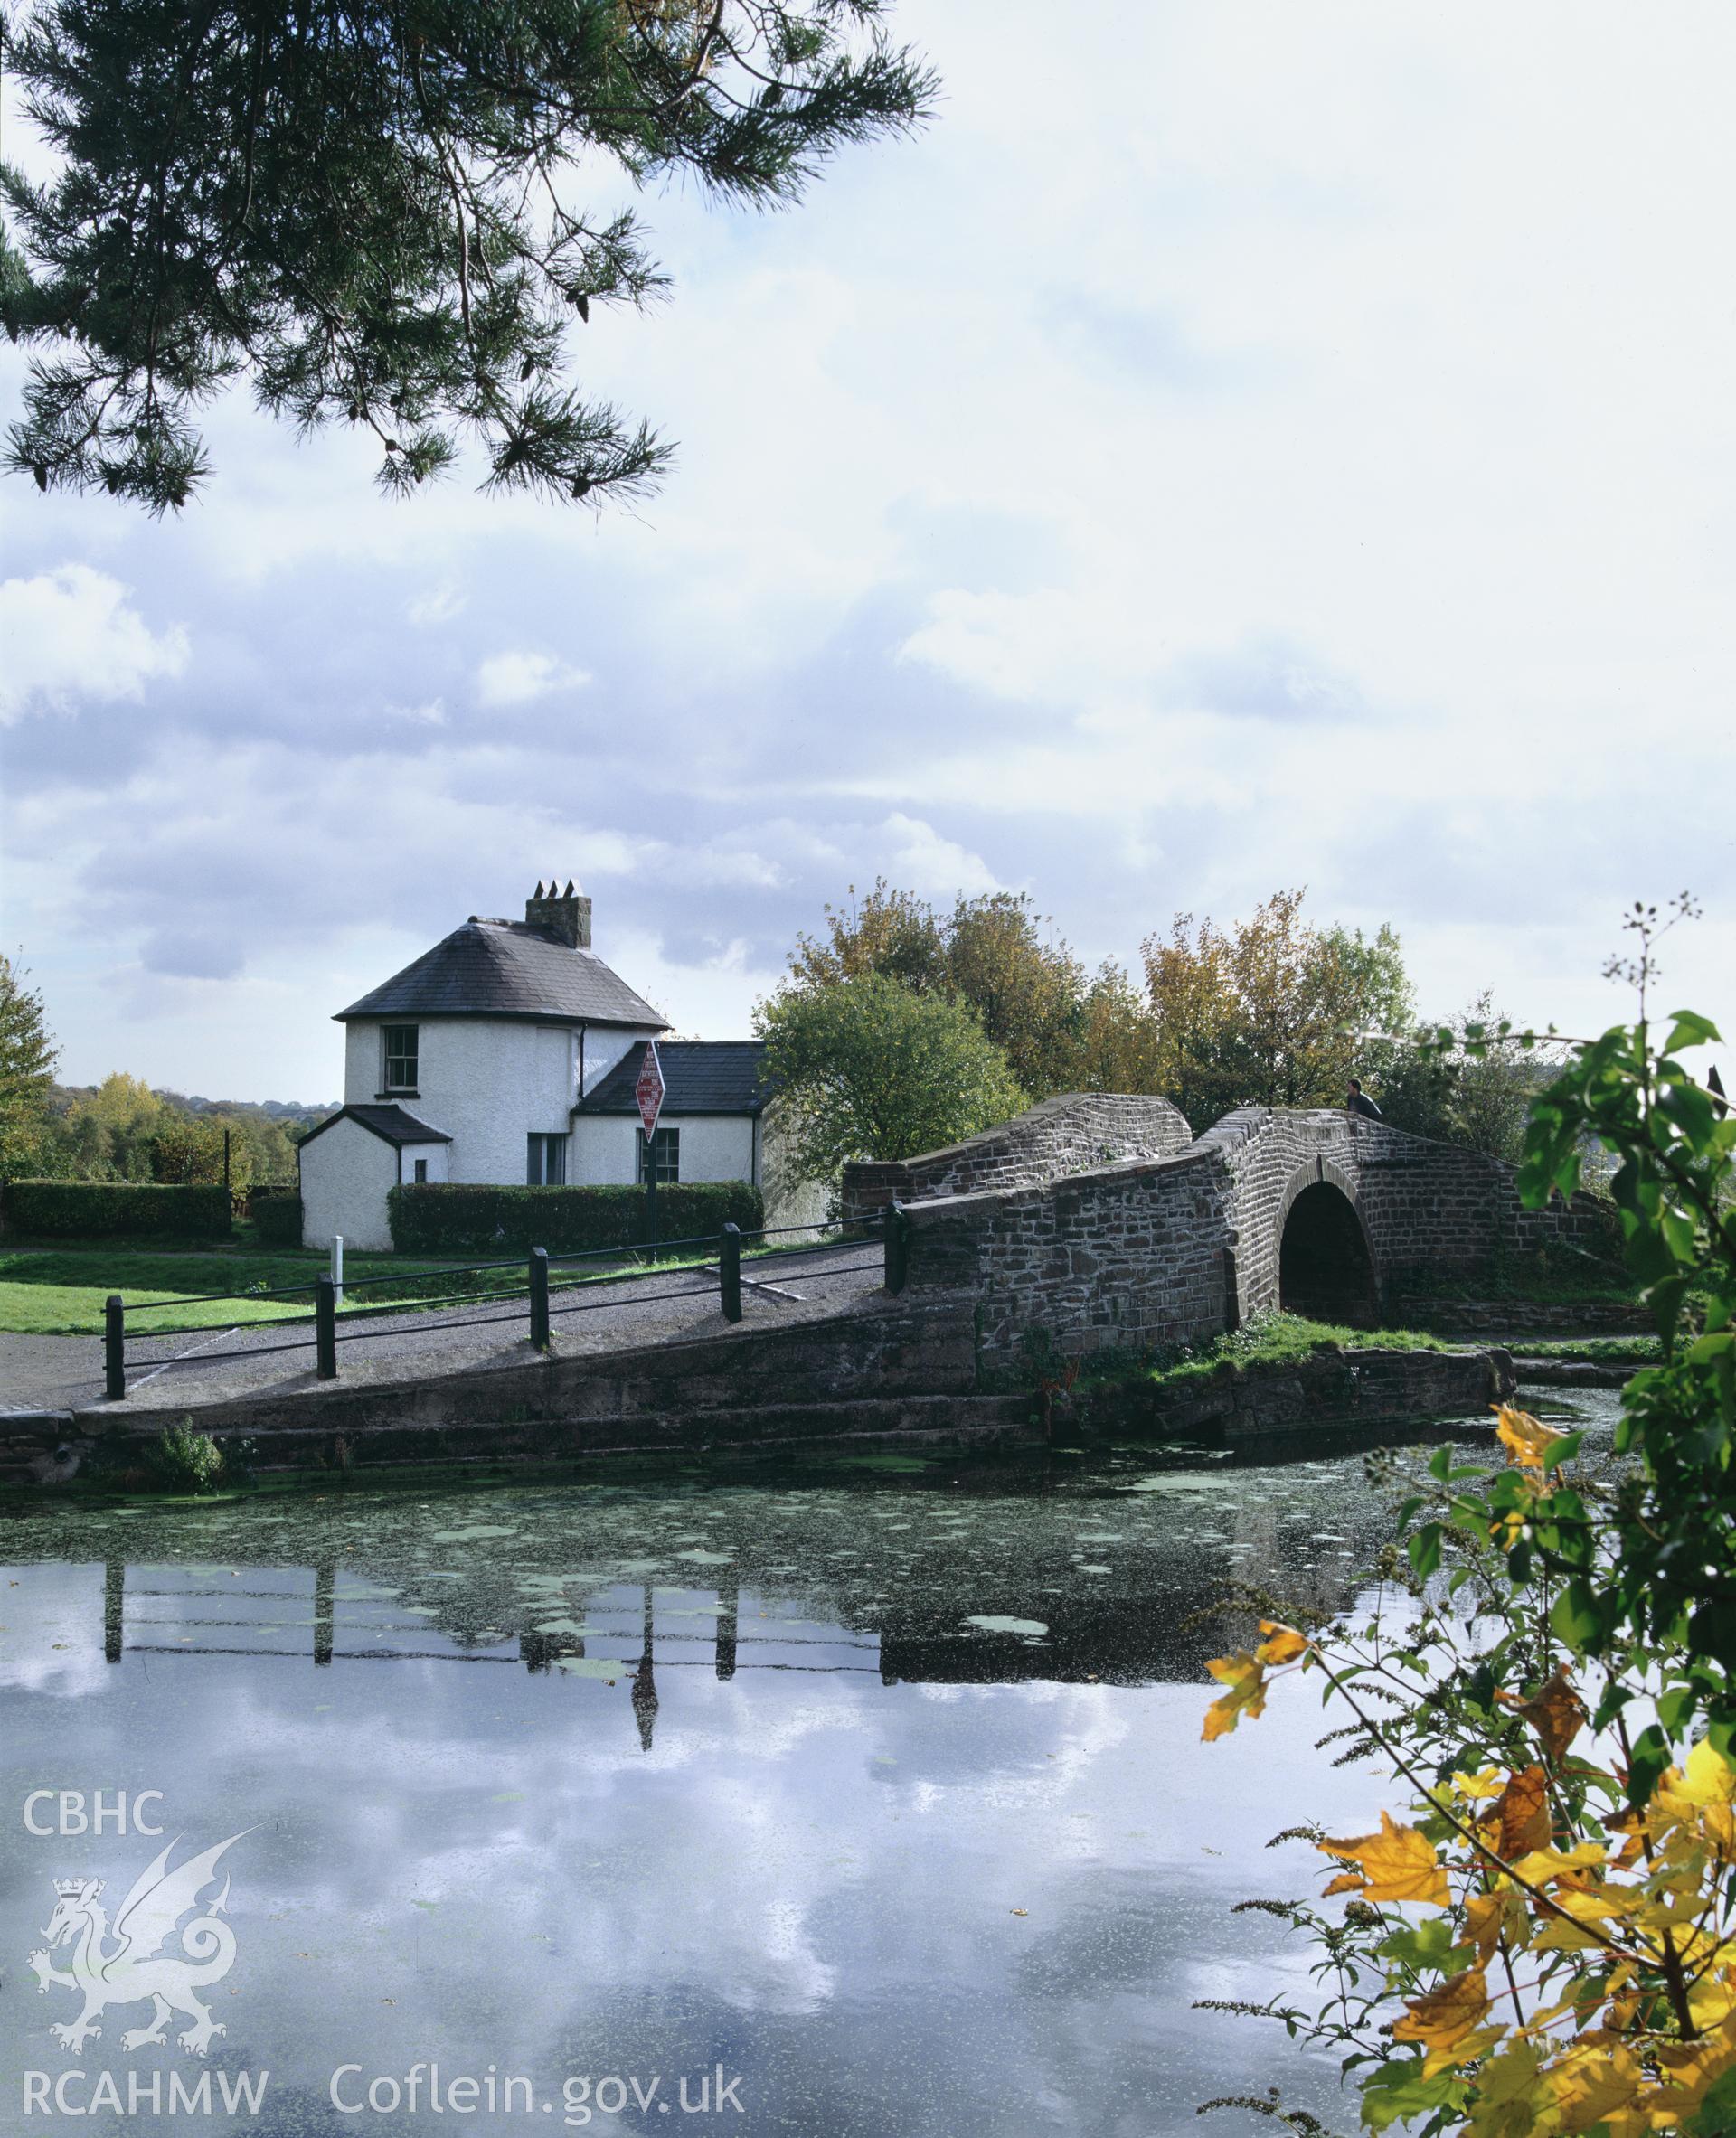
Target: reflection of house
508	1053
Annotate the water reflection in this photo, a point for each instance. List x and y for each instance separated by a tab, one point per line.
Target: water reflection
878	1787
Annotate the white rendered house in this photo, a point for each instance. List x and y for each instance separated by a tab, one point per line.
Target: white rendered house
508	1053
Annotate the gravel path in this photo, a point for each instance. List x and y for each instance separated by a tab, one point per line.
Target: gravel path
66	1372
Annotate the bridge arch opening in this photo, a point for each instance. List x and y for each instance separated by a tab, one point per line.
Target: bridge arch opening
1324	1268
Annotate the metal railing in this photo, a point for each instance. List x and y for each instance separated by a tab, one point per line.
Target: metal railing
534	1298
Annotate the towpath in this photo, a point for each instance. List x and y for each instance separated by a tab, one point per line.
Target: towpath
66	1372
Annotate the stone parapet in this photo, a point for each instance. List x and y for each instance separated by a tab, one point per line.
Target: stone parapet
1068	1134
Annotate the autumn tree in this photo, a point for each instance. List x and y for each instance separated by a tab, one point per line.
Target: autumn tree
107	1134
260	1143
27	1059
988	951
1263	1013
868	1068
187	1151
393	214
1028	993
1116	1041
891	932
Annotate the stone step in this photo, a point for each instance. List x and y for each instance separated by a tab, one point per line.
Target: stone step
874	1421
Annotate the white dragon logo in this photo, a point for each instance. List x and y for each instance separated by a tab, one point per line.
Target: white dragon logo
137	1967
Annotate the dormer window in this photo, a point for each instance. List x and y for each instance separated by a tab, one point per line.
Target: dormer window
401	1053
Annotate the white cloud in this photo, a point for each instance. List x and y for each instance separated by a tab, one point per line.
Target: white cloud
520	679
921	861
993	641
71	634
1312	465
437	604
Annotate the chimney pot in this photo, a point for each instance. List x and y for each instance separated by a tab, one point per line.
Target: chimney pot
565	915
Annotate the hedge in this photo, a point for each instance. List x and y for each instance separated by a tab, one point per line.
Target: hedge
276	1214
115	1210
445	1217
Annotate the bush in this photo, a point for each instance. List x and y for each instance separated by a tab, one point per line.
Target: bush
115	1210
276	1214
180	1460
448	1218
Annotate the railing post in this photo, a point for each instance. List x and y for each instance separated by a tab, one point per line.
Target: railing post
326	1328
337	1266
540	1298
729	1272
114	1347
898	1247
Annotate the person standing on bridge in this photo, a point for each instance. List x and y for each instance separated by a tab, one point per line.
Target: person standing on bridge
1357	1101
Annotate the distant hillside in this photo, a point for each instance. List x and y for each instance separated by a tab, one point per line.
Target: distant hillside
275	1109
61	1096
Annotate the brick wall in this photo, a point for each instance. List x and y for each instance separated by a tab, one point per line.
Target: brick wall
1421	1203
1068	1134
1148	1250
1120	1258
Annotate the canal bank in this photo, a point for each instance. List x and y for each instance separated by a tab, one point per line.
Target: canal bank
884	1380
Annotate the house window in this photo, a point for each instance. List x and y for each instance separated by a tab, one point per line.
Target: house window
401	1055
546	1160
421	1173
668	1156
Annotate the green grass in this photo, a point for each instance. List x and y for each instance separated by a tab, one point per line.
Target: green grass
61	1291
1595	1350
1282	1340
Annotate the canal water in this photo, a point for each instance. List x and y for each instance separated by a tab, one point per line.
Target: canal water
848	1799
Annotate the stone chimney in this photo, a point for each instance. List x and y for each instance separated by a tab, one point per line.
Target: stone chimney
564	913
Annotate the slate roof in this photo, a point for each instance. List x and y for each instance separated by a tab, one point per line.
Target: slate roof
393	1125
700	1077
506	968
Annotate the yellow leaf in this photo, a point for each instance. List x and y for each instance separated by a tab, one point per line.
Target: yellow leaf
1561	1933
1398	1863
1588	2088
1690	2069
1446	2014
1246	1680
1484	1916
1282	1643
1571	1864
1710	1779
1477	1788
1712	2003
1474	2045
1522	1812
1593	1907
1525	1439
1507	2099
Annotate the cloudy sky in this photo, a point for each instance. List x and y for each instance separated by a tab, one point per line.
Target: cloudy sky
1233	448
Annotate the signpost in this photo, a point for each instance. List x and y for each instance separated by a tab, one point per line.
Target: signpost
649	1091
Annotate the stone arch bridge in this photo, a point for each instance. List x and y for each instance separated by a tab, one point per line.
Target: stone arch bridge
1104	1223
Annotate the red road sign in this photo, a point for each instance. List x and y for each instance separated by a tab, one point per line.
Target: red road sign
650	1089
